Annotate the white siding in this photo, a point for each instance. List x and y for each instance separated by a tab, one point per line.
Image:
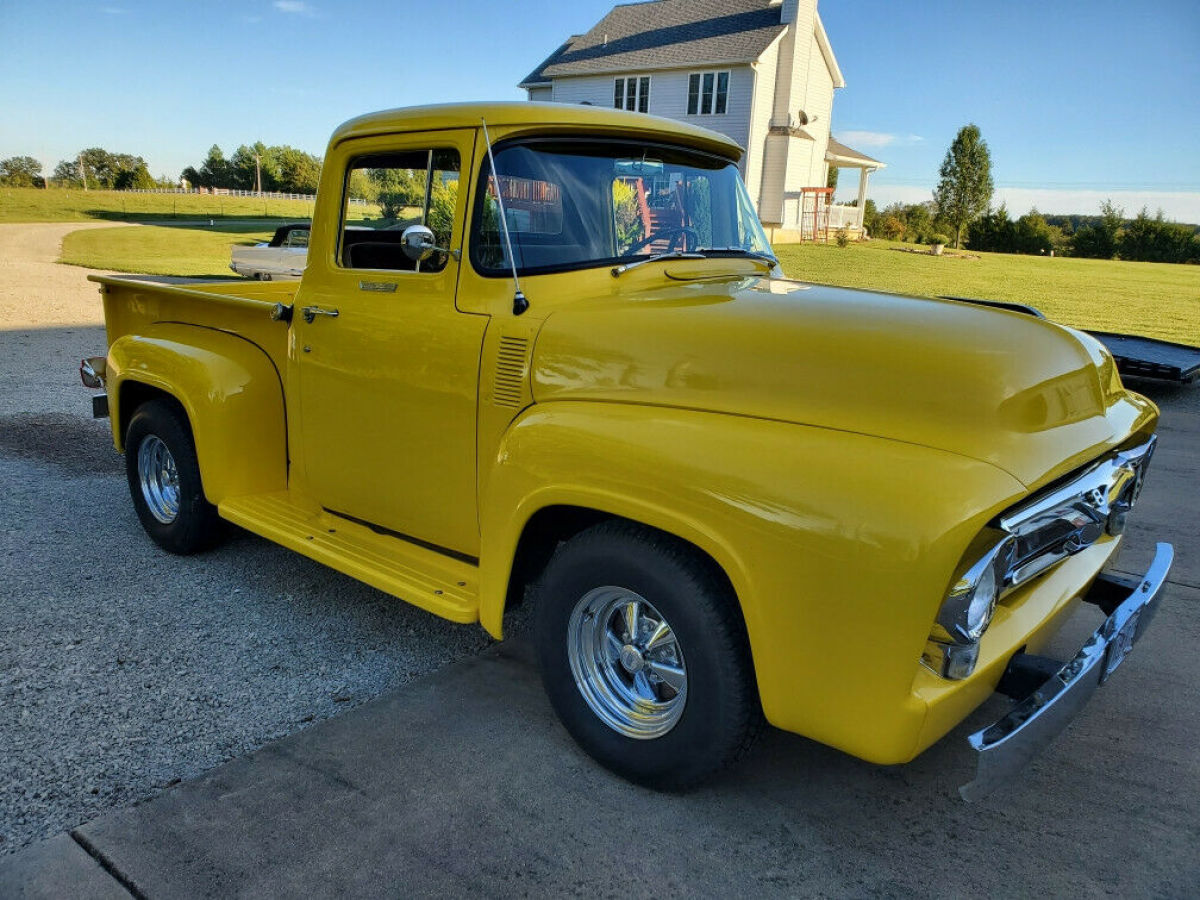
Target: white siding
818	103
762	109
775	157
668	97
541	93
791	75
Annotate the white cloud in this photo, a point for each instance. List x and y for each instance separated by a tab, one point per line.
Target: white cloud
295	8
858	139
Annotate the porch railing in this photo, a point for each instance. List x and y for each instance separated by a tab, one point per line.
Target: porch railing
848	217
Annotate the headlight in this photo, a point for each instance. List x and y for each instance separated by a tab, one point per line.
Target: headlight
967	610
953	648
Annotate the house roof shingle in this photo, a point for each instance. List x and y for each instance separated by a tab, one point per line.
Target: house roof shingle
666	34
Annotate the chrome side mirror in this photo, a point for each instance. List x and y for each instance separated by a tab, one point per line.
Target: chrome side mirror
419	244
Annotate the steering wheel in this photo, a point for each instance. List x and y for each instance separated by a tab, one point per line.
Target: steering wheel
675	234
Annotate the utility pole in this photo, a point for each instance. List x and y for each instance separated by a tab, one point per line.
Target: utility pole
257	173
82	172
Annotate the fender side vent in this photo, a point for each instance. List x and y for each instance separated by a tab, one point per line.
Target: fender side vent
511	368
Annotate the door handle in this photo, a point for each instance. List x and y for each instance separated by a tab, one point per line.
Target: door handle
311	312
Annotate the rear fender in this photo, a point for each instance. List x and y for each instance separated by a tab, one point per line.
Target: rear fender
230	390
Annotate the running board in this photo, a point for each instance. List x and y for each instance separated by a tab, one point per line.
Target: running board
435	582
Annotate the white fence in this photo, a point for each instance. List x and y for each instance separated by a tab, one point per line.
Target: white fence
224	192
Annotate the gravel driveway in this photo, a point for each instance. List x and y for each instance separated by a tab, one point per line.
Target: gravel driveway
122	669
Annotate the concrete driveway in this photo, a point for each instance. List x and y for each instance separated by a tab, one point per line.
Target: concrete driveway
461	781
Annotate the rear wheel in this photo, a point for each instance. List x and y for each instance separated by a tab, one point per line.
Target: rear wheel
164	479
644	656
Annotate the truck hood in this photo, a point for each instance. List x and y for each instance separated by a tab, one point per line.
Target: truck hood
1031	397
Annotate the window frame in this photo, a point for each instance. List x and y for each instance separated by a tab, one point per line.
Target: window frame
339	258
483	173
713	96
640	99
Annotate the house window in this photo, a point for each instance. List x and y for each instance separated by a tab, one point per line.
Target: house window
632	94
708	93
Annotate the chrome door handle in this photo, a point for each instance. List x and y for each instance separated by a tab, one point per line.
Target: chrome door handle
311	312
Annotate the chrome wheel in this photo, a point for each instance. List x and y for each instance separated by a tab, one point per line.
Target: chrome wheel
159	479
627	662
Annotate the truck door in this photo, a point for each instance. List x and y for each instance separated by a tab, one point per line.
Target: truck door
388	367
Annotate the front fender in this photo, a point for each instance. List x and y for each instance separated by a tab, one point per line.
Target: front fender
231	392
838	545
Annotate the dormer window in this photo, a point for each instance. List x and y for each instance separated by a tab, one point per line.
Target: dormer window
708	93
632	93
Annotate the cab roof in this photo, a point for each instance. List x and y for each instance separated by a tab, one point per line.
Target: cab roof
519	116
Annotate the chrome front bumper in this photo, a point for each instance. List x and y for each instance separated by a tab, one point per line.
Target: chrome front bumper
1049	694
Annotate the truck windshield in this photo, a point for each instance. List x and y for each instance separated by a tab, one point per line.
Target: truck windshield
577	204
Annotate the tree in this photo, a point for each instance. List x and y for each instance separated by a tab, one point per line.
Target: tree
965	189
137	178
21	171
299	172
214	172
1100	241
626	217
255	167
1157	240
832	179
66	174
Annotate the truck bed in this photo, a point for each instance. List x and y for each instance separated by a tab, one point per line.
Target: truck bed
137	304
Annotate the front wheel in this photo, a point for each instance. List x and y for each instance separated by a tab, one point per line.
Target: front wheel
644	656
164	479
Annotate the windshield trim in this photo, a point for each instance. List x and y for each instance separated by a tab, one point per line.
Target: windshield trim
484	170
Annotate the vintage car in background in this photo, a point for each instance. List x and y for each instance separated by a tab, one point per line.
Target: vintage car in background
581	381
283	257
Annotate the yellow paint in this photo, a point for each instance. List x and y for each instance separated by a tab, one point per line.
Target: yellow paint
835	452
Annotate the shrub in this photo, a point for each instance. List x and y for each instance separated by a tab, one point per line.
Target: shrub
842	236
891	228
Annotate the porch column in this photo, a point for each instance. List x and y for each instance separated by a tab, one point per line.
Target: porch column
864	175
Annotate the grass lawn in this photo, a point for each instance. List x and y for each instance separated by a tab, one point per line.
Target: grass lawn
1155	299
161	249
56	205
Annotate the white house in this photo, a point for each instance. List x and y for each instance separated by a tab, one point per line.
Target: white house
760	71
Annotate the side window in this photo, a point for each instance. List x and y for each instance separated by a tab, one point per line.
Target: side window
297	239
632	94
708	93
386	193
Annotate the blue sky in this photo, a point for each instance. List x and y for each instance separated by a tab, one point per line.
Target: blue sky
1078	100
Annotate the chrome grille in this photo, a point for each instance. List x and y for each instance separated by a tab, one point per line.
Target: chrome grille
1070	517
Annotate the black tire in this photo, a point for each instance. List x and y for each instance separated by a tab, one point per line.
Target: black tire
195	525
721	715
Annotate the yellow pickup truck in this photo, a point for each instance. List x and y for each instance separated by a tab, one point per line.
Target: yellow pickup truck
545	354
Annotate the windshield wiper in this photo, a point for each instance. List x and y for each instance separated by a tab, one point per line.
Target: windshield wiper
618	271
743	252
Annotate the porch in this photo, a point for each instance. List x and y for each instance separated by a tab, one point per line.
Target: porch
811	213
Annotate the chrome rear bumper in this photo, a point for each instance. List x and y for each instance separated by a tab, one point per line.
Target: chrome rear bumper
1047	704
